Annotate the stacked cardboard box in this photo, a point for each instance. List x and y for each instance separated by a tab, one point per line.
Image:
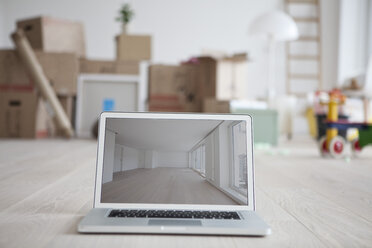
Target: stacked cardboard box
185	87
54	35
20	102
60	68
57	45
212	105
223	78
110	67
22	114
133	47
173	88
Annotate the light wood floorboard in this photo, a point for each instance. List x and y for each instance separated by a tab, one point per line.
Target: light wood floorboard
46	187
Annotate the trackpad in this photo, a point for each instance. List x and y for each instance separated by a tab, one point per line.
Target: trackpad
174	223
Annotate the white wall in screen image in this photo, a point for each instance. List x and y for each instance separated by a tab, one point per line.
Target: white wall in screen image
129	158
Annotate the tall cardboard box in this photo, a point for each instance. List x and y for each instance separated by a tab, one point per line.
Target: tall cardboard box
133	47
112	67
54	35
223	78
23	115
61	69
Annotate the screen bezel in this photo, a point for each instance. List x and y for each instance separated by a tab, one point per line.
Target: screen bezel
174	116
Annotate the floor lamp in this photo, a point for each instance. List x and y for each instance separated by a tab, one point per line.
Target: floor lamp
276	26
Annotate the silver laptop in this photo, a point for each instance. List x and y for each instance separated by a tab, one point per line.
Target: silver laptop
174	174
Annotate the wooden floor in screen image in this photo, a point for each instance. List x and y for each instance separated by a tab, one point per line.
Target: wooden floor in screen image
162	185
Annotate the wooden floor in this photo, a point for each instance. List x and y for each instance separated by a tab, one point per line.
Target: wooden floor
162	185
46	187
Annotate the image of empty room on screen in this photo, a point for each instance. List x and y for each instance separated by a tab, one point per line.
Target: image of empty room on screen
168	161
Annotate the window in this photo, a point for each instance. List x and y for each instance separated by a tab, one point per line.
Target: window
239	158
198	159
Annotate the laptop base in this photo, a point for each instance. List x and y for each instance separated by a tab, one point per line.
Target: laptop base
250	224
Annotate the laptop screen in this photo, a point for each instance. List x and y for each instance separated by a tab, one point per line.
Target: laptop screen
175	161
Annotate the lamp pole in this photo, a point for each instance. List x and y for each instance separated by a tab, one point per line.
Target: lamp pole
270	89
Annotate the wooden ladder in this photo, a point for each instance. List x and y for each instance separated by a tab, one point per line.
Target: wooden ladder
304	73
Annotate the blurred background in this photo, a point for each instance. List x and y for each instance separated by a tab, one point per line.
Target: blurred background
278	60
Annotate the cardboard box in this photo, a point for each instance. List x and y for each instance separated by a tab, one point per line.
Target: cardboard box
188	83
158	103
223	78
133	47
172	103
54	35
164	79
12	71
173	79
111	67
60	68
207	73
174	88
212	105
22	115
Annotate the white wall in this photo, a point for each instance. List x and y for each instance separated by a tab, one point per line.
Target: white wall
217	155
151	159
118	157
353	38
189	27
370	27
128	158
173	159
224	150
154	159
210	156
329	39
108	156
2	25
180	29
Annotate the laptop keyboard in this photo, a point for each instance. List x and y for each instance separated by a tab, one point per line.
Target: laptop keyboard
177	214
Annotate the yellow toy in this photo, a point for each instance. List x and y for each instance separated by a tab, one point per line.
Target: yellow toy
333	143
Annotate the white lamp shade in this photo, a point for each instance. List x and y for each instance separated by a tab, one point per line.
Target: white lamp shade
276	24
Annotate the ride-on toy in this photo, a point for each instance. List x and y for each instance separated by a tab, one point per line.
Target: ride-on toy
334	144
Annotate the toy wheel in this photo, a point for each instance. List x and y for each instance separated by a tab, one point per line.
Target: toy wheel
323	146
337	147
355	146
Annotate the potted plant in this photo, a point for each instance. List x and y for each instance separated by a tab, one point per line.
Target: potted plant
126	14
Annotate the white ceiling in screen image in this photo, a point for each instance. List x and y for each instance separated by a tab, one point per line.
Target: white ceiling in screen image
161	135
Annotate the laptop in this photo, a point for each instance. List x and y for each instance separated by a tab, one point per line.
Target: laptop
170	173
